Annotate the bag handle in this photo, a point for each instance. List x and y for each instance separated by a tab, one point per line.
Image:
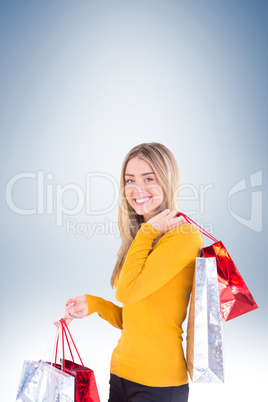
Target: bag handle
56	351
65	326
64	336
202	230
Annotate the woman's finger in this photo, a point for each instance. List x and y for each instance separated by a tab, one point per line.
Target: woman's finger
173	212
71	310
165	212
77	314
184	220
71	301
68	320
181	220
75	311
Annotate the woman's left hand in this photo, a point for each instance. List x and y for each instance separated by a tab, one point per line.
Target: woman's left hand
166	220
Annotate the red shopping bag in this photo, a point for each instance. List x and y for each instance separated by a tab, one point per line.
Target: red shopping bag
235	298
85	383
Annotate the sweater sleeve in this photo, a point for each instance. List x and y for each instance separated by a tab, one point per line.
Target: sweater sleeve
106	310
141	274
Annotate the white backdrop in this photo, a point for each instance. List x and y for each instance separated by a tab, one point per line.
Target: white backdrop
81	84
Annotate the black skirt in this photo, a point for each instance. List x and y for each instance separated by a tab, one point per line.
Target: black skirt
122	390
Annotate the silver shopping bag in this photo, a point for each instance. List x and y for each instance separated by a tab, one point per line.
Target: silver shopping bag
204	332
41	382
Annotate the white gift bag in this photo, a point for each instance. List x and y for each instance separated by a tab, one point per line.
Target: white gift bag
204	333
41	382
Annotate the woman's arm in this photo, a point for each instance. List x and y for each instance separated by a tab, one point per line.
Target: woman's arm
106	310
82	306
141	274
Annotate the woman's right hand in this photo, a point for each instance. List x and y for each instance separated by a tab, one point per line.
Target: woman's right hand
76	307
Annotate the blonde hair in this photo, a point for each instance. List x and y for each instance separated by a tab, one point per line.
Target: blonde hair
164	164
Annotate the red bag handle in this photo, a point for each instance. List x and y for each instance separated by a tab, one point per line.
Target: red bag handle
64	335
202	230
64	325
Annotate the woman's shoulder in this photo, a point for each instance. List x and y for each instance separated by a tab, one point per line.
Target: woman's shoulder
184	229
184	236
184	232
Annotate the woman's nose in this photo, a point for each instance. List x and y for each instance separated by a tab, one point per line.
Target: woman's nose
139	188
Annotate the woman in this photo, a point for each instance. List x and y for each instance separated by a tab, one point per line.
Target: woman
153	277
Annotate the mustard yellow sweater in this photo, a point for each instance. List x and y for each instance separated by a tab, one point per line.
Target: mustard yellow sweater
155	291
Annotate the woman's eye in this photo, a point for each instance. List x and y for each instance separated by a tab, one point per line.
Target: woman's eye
130	180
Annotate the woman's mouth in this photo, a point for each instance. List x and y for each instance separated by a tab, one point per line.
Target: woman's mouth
141	201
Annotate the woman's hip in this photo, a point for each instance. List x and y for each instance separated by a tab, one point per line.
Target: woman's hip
122	390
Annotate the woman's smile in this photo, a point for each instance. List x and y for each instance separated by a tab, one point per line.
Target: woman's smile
141	201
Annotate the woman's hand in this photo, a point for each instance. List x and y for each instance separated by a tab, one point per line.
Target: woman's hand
75	308
166	221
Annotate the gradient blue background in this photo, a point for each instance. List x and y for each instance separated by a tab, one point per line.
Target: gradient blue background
82	82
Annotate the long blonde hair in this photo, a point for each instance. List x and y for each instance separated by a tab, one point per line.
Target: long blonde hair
164	164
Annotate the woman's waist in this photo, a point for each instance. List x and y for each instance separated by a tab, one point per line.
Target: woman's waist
152	329
150	356
146	316
150	343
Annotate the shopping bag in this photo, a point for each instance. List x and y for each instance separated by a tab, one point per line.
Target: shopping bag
204	350
42	382
85	384
235	297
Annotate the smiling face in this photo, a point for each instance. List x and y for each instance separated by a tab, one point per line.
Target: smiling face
142	190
